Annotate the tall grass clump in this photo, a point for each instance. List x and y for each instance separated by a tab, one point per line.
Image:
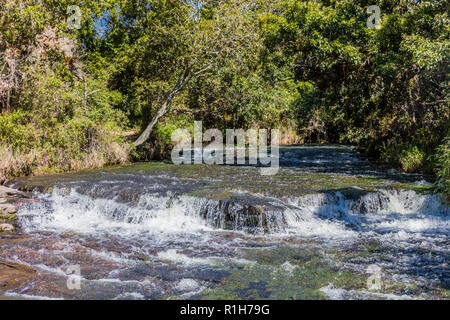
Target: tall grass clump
51	129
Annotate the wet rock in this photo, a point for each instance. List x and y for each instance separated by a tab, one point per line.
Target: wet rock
6	227
7	209
210	274
12	274
371	203
6	192
237	214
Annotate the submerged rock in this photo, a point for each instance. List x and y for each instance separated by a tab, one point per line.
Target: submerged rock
13	274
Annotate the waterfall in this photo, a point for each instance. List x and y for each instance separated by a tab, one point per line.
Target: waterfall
322	214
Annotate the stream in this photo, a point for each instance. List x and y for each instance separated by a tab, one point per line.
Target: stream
328	223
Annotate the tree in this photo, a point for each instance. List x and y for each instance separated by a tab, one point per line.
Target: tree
168	44
385	90
37	32
49	119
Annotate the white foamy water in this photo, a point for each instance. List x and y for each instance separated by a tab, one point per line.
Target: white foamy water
395	214
343	294
18	296
398	215
174	256
82	214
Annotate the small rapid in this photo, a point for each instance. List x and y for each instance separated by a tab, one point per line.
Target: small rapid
329	215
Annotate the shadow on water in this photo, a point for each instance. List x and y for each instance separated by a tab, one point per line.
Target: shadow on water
338	159
293	160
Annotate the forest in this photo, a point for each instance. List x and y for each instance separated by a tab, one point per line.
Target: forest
86	83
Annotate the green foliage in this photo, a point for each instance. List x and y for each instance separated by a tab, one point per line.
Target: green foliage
408	158
164	130
443	167
55	115
385	90
238	97
39	143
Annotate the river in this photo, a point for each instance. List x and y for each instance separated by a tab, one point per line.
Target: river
329	225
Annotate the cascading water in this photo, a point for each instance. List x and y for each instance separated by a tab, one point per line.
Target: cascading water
137	233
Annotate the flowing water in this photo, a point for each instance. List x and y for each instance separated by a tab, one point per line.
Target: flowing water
328	225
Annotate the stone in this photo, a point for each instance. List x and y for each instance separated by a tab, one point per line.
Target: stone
7	209
8	192
6	227
3	200
13	275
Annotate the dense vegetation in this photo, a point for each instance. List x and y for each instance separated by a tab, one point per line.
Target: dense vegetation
70	98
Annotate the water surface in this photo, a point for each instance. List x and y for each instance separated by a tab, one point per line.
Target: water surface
160	231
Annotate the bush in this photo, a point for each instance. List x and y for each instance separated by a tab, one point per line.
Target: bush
411	159
33	145
50	130
443	167
408	158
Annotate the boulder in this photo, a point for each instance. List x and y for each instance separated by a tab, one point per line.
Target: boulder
9	192
6	227
7	209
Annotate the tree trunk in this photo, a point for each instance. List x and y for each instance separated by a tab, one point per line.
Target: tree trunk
8	101
85	96
161	112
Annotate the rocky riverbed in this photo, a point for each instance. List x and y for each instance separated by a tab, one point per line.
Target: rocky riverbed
12	274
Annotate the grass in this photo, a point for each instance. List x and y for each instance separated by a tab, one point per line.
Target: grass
42	162
7	217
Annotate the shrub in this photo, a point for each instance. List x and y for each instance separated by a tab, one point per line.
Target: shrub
443	167
44	145
409	158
